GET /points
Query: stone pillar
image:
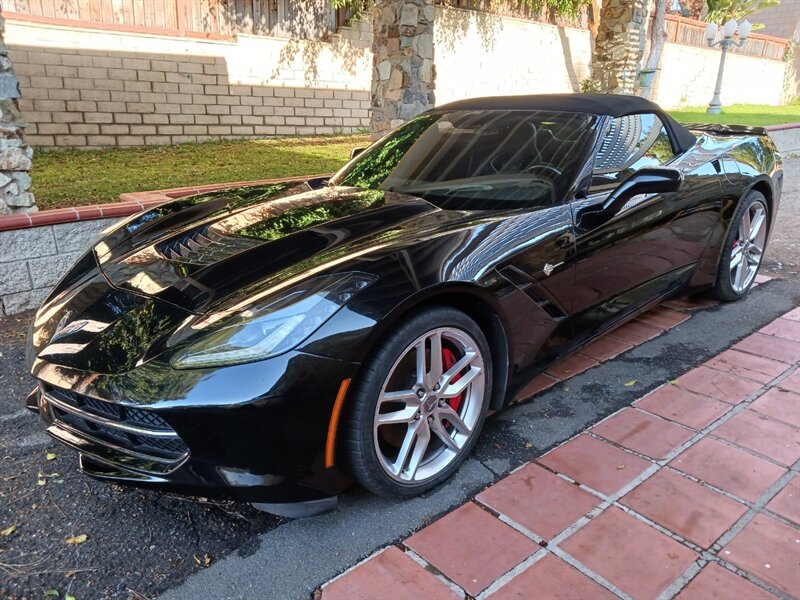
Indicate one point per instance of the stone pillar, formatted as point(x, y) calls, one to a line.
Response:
point(15, 154)
point(619, 45)
point(403, 71)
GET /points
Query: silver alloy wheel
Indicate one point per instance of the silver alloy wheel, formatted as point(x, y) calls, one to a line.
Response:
point(748, 247)
point(426, 412)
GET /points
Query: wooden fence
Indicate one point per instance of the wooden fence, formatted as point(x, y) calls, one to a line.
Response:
point(283, 18)
point(681, 30)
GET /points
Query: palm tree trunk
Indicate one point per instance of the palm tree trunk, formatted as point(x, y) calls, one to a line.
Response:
point(658, 35)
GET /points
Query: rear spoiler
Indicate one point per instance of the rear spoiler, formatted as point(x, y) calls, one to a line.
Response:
point(717, 129)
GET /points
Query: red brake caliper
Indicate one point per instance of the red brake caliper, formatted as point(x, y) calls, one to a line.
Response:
point(448, 360)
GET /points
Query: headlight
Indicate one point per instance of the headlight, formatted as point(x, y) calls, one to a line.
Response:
point(270, 329)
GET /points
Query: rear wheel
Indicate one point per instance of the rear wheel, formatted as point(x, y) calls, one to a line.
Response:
point(420, 404)
point(744, 249)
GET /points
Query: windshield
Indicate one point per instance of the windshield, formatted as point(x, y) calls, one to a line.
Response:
point(464, 157)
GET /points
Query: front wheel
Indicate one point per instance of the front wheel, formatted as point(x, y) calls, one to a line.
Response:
point(744, 248)
point(419, 405)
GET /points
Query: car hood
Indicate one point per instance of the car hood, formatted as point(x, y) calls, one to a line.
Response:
point(213, 249)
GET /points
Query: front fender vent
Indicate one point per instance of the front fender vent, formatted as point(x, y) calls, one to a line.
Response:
point(204, 246)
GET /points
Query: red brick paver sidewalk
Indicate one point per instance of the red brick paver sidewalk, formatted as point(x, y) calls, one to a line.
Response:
point(693, 492)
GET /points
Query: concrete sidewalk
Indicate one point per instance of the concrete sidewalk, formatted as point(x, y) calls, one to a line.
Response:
point(691, 492)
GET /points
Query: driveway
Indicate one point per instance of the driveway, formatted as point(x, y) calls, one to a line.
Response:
point(142, 544)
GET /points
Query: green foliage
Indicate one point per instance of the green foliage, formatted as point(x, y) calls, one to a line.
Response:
point(380, 160)
point(589, 86)
point(560, 8)
point(741, 114)
point(721, 11)
point(304, 217)
point(75, 177)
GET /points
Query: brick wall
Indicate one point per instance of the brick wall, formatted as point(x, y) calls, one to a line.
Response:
point(95, 89)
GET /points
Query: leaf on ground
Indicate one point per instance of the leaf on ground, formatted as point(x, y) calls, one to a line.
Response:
point(52, 593)
point(673, 382)
point(528, 445)
point(41, 481)
point(51, 456)
point(8, 531)
point(630, 383)
point(620, 467)
point(69, 597)
point(203, 561)
point(77, 539)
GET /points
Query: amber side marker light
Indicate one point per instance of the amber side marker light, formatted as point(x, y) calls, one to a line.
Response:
point(330, 445)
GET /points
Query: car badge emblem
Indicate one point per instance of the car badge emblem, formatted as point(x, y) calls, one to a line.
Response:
point(548, 268)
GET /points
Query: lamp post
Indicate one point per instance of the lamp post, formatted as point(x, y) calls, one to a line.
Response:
point(728, 31)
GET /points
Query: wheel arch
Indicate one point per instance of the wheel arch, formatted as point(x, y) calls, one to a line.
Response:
point(763, 186)
point(474, 301)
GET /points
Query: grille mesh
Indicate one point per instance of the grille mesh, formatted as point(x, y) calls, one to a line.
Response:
point(150, 445)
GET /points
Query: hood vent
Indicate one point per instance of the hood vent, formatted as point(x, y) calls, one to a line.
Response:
point(204, 246)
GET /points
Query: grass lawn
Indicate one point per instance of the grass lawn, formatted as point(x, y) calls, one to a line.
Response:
point(741, 114)
point(76, 177)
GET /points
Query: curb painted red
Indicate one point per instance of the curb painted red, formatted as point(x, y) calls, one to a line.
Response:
point(130, 203)
point(782, 127)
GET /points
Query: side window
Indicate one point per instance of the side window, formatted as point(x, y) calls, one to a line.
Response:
point(629, 144)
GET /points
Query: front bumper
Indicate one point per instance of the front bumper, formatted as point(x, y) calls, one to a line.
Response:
point(253, 432)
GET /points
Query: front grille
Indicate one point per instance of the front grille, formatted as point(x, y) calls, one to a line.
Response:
point(142, 433)
point(205, 246)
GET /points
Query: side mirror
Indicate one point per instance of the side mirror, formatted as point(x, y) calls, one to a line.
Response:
point(355, 152)
point(650, 180)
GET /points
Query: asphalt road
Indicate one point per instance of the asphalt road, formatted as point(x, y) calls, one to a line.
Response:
point(143, 544)
point(783, 253)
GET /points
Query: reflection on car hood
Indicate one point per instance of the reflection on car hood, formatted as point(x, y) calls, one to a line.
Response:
point(203, 250)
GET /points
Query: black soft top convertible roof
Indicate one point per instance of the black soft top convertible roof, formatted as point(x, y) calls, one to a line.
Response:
point(612, 105)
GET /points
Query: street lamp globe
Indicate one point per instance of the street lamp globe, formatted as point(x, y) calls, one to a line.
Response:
point(744, 30)
point(729, 28)
point(711, 33)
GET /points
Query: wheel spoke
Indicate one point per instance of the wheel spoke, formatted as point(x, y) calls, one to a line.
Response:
point(436, 367)
point(447, 413)
point(457, 387)
point(754, 256)
point(756, 224)
point(422, 439)
point(462, 364)
point(741, 275)
point(736, 257)
point(422, 362)
point(441, 432)
point(744, 226)
point(408, 444)
point(404, 415)
point(397, 416)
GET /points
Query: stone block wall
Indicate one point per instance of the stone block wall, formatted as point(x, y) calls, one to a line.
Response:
point(15, 153)
point(34, 259)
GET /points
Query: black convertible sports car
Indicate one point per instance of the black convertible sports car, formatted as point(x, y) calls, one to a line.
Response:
point(275, 342)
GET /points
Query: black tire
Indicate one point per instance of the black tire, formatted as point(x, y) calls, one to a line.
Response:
point(724, 289)
point(360, 430)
